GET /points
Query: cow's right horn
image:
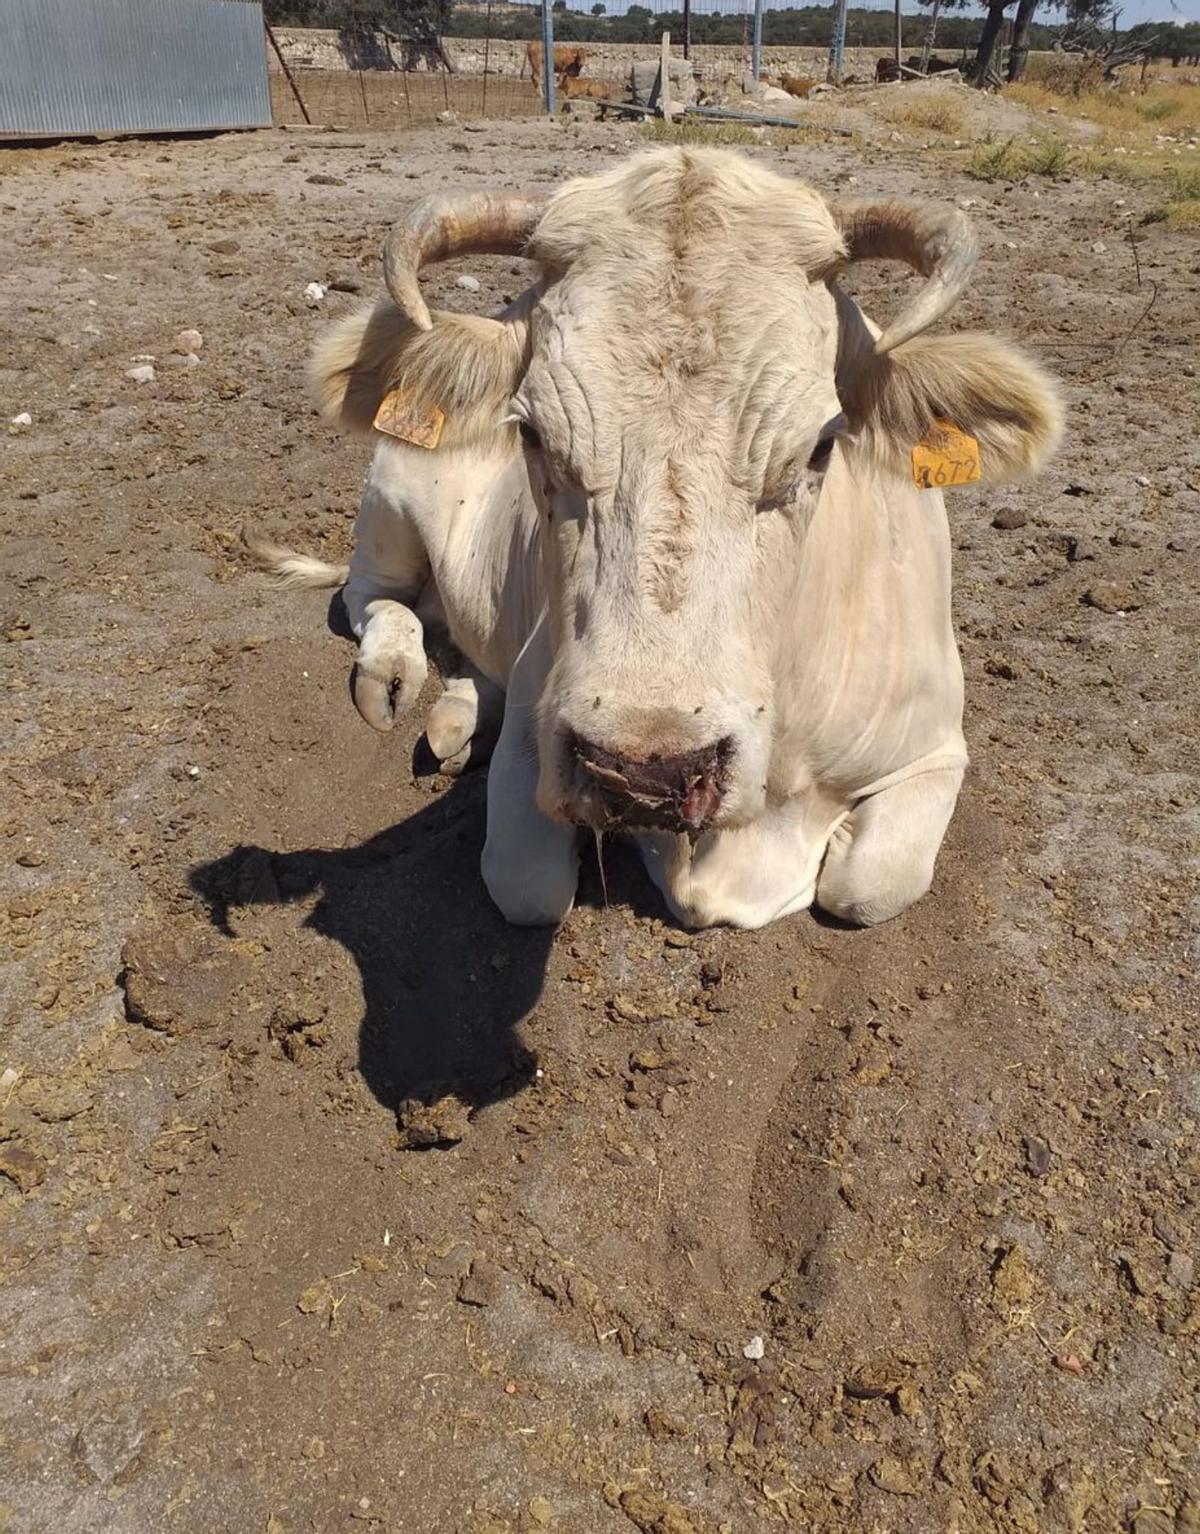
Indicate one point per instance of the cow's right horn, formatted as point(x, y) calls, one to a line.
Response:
point(938, 242)
point(481, 223)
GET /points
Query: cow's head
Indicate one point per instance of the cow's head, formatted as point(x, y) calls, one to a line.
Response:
point(687, 383)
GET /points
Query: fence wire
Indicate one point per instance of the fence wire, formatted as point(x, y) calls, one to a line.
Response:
point(486, 61)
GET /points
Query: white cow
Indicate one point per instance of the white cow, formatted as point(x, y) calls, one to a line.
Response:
point(666, 508)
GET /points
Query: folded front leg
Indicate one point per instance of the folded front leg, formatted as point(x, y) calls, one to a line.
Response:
point(391, 668)
point(530, 863)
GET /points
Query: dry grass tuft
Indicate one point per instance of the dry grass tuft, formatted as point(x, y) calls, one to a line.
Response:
point(1010, 161)
point(725, 134)
point(931, 111)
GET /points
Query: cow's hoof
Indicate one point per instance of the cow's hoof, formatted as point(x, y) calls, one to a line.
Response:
point(528, 901)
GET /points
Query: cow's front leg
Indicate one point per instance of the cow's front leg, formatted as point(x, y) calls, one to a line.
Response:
point(388, 571)
point(530, 863)
point(390, 669)
point(880, 859)
point(464, 723)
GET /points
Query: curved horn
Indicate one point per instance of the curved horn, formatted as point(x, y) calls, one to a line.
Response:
point(481, 223)
point(940, 243)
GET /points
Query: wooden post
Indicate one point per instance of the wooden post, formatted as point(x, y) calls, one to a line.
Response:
point(287, 74)
point(664, 78)
point(687, 29)
point(899, 38)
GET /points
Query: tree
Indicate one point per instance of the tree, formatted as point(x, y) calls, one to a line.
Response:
point(1019, 56)
point(1091, 31)
point(598, 9)
point(981, 75)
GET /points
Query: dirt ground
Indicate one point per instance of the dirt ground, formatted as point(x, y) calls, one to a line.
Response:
point(331, 1203)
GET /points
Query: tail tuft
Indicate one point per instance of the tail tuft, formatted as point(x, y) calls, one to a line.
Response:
point(292, 569)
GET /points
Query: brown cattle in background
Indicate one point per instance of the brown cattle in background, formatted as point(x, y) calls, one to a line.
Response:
point(568, 61)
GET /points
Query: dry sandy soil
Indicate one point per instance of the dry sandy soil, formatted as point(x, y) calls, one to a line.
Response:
point(946, 1171)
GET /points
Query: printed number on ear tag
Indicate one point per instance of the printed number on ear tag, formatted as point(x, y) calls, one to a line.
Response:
point(402, 415)
point(945, 456)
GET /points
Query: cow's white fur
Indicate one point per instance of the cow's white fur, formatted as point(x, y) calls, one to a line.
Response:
point(665, 570)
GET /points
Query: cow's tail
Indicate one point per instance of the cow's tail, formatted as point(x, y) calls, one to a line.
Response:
point(290, 568)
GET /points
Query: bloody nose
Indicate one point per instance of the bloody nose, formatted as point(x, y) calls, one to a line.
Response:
point(676, 793)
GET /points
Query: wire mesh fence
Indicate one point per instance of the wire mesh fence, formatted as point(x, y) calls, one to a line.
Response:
point(484, 58)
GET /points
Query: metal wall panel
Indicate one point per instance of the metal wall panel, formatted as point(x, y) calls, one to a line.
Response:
point(131, 66)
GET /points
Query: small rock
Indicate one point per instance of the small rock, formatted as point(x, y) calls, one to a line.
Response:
point(1008, 518)
point(32, 857)
point(314, 292)
point(21, 1166)
point(754, 1349)
point(320, 178)
point(481, 1286)
point(22, 420)
point(143, 373)
point(468, 283)
point(541, 1511)
point(1112, 597)
point(1142, 480)
point(1038, 1156)
point(1099, 248)
point(188, 341)
point(1071, 1363)
point(345, 282)
point(224, 247)
point(1181, 1271)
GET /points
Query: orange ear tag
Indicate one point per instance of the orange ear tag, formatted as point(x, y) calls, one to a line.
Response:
point(402, 415)
point(944, 457)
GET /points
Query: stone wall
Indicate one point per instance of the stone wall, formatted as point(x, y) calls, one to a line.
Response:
point(314, 48)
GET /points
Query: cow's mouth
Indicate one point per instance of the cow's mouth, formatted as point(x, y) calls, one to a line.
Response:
point(680, 793)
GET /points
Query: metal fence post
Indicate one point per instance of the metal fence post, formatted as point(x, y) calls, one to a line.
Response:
point(548, 55)
point(837, 51)
point(756, 50)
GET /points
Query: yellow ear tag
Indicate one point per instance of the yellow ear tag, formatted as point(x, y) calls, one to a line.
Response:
point(402, 415)
point(945, 456)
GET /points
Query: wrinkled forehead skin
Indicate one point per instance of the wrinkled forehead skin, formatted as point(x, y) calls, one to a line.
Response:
point(686, 324)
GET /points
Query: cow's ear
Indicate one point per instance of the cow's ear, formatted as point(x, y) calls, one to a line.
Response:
point(460, 374)
point(985, 387)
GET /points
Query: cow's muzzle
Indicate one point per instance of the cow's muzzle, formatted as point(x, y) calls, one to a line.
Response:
point(669, 793)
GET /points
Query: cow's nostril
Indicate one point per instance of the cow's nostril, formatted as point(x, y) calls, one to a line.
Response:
point(681, 791)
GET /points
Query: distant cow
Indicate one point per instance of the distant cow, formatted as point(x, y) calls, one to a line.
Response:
point(568, 61)
point(575, 89)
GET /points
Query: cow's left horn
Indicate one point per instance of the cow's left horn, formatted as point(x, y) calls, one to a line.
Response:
point(482, 224)
point(940, 243)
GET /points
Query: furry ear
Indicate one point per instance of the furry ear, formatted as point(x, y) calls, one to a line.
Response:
point(466, 367)
point(991, 390)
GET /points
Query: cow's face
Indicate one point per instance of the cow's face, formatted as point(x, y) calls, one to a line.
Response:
point(679, 412)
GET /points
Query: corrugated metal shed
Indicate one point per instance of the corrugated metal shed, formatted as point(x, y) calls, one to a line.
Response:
point(72, 67)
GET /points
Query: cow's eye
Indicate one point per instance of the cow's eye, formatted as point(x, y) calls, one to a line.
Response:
point(529, 434)
point(819, 458)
